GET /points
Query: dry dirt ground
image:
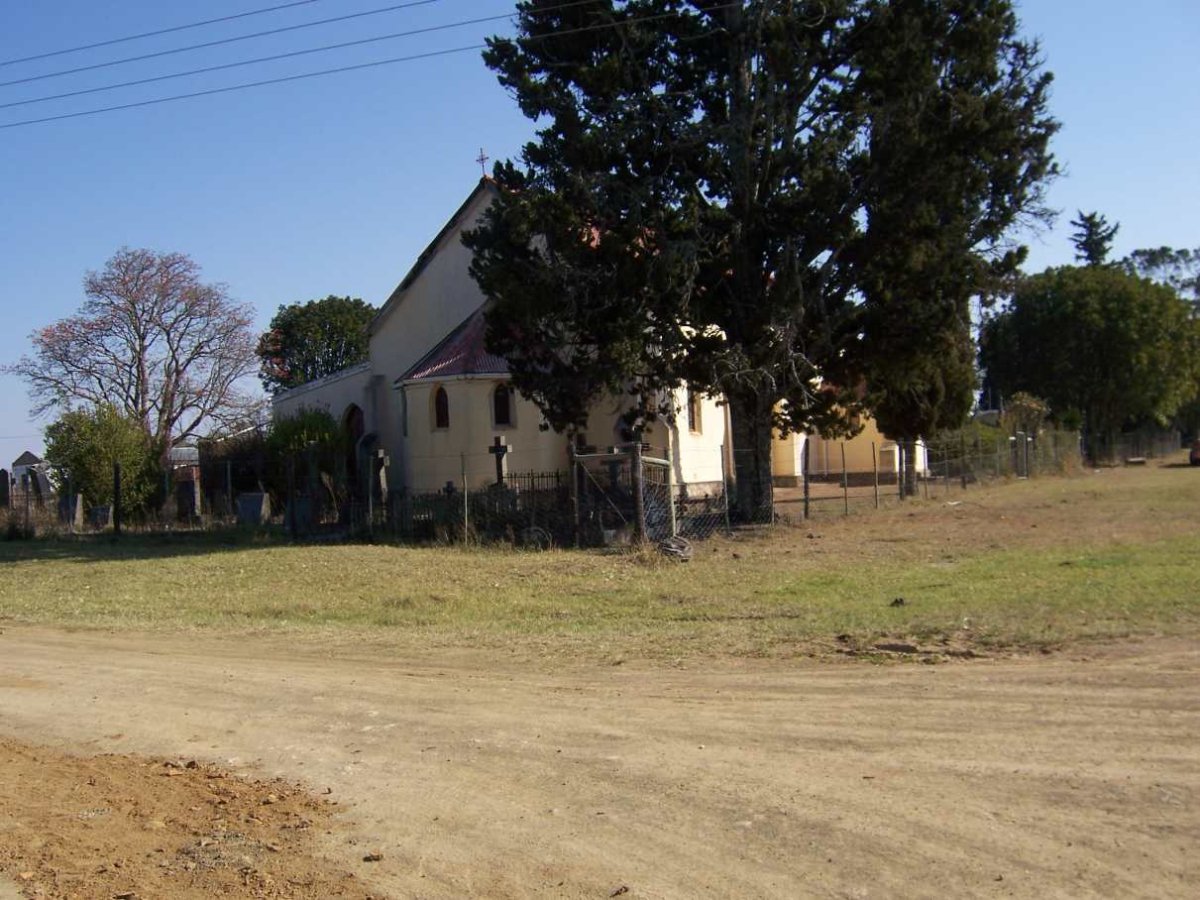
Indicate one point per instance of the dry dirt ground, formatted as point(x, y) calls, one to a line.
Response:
point(1076, 774)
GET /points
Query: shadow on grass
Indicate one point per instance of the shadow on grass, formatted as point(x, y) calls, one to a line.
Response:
point(104, 547)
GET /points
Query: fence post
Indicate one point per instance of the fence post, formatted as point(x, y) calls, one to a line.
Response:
point(639, 501)
point(572, 465)
point(116, 498)
point(462, 457)
point(725, 488)
point(228, 487)
point(845, 482)
point(804, 464)
point(875, 470)
point(26, 485)
point(291, 495)
point(673, 521)
point(962, 459)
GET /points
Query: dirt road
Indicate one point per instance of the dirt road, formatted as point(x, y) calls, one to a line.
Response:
point(472, 776)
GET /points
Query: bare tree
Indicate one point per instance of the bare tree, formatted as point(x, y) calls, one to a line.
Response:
point(152, 340)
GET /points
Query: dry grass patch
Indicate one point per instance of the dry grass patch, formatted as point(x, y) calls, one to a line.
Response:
point(1030, 564)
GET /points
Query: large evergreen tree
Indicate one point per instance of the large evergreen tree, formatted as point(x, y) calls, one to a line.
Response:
point(1093, 238)
point(306, 341)
point(754, 197)
point(1097, 342)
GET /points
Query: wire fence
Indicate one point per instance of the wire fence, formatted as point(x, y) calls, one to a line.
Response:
point(622, 495)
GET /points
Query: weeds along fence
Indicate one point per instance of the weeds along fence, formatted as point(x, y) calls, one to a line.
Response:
point(603, 497)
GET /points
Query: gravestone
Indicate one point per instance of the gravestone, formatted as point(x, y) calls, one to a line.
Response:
point(70, 510)
point(187, 500)
point(100, 517)
point(253, 508)
point(5, 489)
point(35, 490)
point(298, 515)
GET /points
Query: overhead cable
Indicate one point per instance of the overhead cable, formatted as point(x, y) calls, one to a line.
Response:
point(218, 43)
point(340, 69)
point(278, 56)
point(147, 34)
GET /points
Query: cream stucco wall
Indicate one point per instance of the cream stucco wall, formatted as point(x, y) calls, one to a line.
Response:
point(433, 456)
point(417, 317)
point(334, 394)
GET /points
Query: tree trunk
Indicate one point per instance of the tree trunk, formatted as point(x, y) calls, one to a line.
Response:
point(908, 466)
point(750, 421)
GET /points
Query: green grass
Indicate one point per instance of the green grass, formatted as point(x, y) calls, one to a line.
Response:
point(1030, 564)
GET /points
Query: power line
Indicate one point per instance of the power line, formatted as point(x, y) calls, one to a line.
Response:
point(262, 59)
point(246, 86)
point(340, 69)
point(218, 43)
point(146, 34)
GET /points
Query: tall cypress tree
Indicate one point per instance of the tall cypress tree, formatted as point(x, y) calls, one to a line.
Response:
point(739, 195)
point(1093, 237)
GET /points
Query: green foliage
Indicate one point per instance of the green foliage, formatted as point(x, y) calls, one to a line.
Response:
point(309, 438)
point(1108, 345)
point(296, 433)
point(83, 445)
point(1093, 238)
point(723, 196)
point(306, 341)
point(1179, 269)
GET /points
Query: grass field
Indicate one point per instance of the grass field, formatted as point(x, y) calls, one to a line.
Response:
point(1030, 564)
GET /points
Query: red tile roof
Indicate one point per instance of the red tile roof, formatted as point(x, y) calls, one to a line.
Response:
point(461, 352)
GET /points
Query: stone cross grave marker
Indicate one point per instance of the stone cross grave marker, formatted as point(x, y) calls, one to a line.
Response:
point(500, 450)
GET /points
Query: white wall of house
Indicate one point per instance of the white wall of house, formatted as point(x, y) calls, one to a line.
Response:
point(699, 438)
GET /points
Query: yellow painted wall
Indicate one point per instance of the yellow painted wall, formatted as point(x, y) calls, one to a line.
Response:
point(825, 456)
point(433, 456)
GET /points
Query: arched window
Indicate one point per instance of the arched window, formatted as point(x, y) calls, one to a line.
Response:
point(693, 412)
point(502, 405)
point(441, 409)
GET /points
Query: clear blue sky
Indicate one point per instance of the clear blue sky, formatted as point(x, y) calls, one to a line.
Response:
point(333, 185)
